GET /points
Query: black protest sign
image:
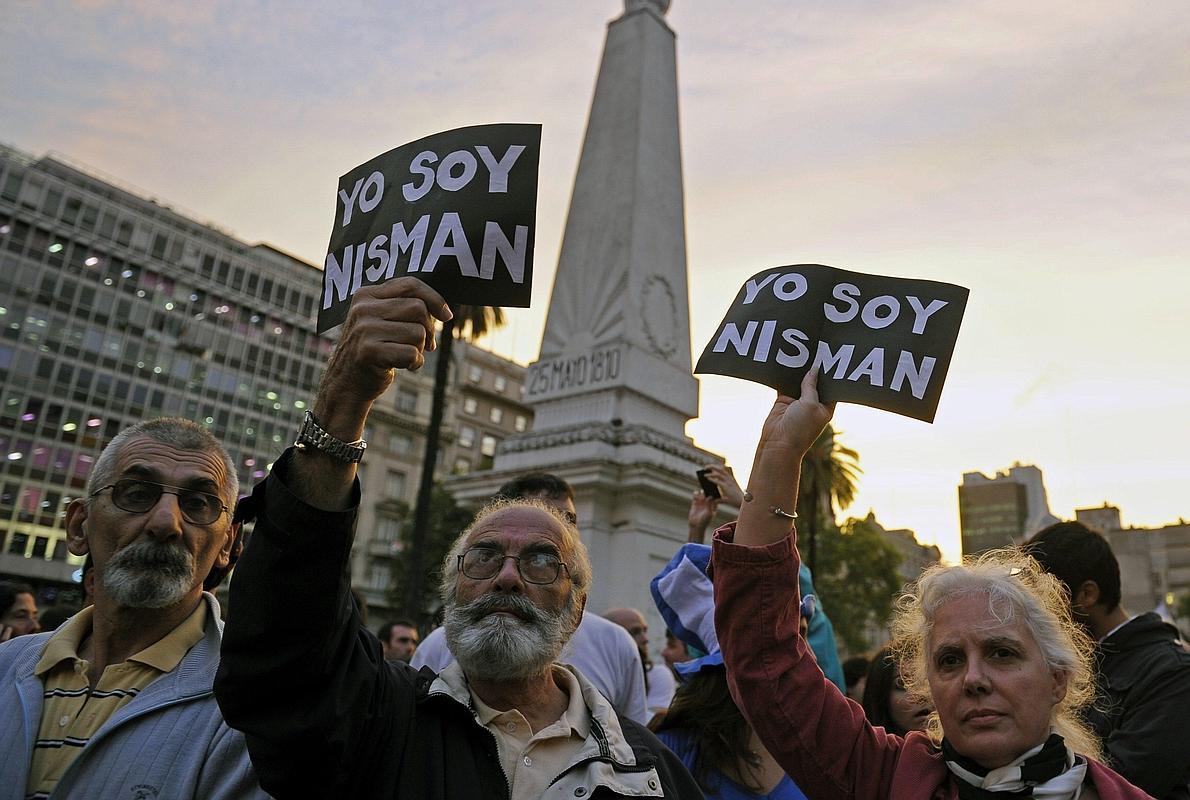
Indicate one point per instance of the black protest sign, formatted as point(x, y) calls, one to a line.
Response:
point(456, 209)
point(878, 341)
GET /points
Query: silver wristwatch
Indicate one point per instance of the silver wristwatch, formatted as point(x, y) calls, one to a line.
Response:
point(312, 435)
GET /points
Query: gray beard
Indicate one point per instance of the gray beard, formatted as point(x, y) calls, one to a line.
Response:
point(497, 647)
point(149, 574)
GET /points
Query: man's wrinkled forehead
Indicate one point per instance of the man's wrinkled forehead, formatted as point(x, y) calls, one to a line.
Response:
point(149, 459)
point(531, 525)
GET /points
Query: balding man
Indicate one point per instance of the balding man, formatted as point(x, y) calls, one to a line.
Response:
point(659, 681)
point(326, 716)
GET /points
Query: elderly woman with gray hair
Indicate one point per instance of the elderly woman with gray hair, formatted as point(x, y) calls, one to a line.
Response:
point(989, 643)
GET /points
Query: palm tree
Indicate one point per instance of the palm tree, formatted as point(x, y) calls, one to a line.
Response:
point(829, 475)
point(469, 322)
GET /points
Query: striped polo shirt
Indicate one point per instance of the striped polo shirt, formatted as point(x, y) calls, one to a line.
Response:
point(73, 710)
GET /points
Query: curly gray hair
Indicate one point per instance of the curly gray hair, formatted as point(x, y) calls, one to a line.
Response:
point(578, 561)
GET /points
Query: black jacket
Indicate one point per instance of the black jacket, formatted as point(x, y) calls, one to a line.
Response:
point(1143, 713)
point(324, 714)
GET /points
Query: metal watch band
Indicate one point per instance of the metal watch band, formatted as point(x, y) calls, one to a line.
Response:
point(312, 435)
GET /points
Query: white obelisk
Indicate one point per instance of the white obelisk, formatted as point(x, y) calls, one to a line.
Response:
point(612, 389)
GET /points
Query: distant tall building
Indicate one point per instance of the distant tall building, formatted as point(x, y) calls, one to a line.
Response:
point(115, 308)
point(1003, 510)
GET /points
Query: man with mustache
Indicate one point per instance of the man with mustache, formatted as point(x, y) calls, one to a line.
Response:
point(118, 701)
point(600, 649)
point(325, 715)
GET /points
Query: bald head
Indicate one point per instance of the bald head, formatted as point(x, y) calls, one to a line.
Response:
point(632, 621)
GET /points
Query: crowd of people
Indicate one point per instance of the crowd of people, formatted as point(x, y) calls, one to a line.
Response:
point(1014, 674)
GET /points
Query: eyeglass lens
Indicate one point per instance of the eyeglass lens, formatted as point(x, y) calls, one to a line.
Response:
point(139, 496)
point(481, 563)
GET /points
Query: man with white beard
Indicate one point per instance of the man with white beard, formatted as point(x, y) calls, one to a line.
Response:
point(601, 650)
point(118, 701)
point(325, 715)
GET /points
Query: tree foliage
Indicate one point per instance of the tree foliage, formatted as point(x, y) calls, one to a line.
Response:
point(830, 472)
point(856, 580)
point(446, 521)
point(471, 322)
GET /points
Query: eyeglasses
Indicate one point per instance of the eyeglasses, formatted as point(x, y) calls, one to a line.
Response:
point(481, 563)
point(136, 496)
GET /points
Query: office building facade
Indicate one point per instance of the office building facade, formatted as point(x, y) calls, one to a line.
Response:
point(1002, 510)
point(115, 308)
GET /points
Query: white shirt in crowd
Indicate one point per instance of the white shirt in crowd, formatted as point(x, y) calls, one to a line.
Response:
point(661, 688)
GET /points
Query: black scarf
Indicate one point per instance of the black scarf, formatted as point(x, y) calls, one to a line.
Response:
point(1051, 761)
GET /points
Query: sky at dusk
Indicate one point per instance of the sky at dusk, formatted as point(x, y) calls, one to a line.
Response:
point(1037, 153)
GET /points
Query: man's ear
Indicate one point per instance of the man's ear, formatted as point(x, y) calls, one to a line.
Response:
point(76, 528)
point(1086, 596)
point(229, 552)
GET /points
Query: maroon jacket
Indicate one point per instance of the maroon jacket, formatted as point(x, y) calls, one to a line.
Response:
point(822, 739)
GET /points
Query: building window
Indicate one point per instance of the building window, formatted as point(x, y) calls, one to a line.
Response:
point(379, 576)
point(462, 466)
point(401, 443)
point(488, 448)
point(501, 383)
point(474, 373)
point(520, 423)
point(496, 414)
point(407, 400)
point(470, 405)
point(466, 436)
point(388, 531)
point(17, 543)
point(394, 488)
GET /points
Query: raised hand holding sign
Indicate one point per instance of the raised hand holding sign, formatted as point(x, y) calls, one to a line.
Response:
point(456, 209)
point(879, 341)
